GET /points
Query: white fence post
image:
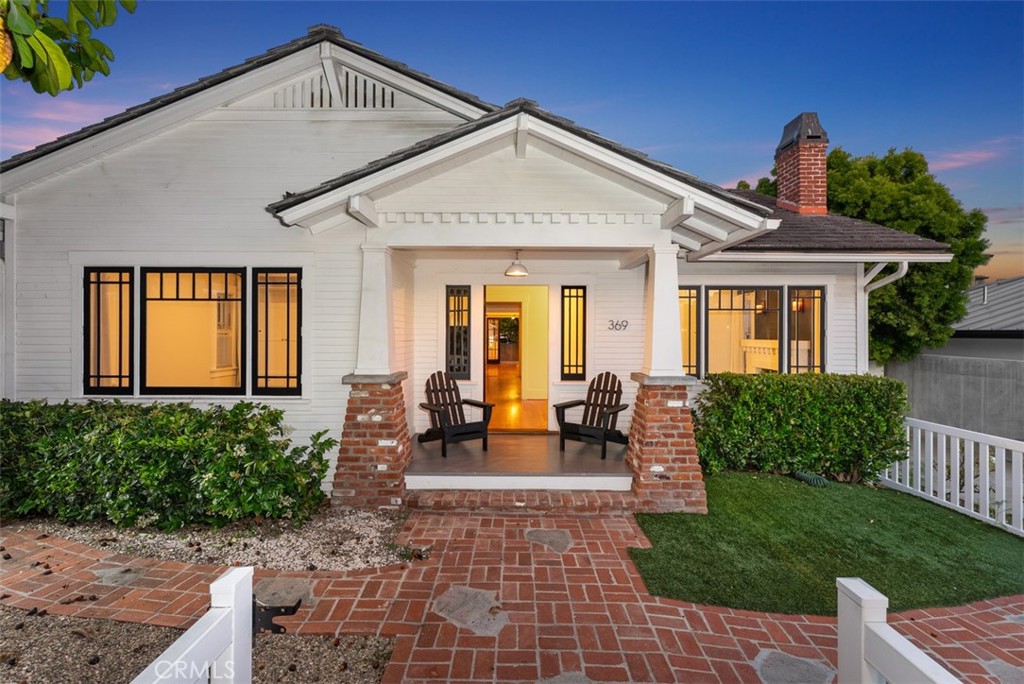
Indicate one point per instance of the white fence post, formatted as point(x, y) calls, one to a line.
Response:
point(233, 590)
point(218, 647)
point(859, 604)
point(872, 652)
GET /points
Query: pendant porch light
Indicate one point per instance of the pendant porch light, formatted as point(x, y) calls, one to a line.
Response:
point(516, 268)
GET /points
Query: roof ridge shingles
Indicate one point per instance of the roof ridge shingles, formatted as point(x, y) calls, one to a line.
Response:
point(316, 34)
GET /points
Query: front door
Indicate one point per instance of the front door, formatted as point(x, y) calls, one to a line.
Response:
point(516, 349)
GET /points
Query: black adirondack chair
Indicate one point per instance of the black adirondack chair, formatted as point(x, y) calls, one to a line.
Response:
point(447, 417)
point(600, 412)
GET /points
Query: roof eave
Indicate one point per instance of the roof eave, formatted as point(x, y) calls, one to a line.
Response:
point(826, 256)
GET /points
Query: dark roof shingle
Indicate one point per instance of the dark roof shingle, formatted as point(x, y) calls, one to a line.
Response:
point(828, 233)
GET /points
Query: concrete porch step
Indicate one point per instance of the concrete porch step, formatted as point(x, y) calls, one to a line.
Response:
point(594, 482)
point(523, 500)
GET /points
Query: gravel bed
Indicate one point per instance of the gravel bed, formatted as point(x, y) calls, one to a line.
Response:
point(48, 648)
point(332, 540)
point(40, 648)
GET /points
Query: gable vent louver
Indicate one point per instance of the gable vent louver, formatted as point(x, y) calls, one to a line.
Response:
point(357, 92)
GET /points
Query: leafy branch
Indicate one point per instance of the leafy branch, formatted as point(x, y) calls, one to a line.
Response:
point(51, 53)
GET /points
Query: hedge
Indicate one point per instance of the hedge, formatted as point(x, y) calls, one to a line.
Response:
point(157, 464)
point(847, 427)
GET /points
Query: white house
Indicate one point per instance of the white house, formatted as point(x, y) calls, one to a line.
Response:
point(321, 228)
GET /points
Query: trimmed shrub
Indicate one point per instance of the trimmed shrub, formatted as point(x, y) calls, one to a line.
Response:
point(847, 427)
point(157, 464)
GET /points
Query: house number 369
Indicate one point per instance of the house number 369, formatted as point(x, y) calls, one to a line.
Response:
point(618, 325)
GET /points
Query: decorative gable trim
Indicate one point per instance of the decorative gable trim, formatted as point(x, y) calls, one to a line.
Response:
point(322, 45)
point(698, 220)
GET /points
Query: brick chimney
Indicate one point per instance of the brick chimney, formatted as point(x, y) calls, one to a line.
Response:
point(800, 164)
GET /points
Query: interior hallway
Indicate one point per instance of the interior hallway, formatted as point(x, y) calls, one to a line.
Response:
point(512, 413)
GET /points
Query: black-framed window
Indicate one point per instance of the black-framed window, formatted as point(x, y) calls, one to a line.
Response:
point(806, 329)
point(192, 331)
point(457, 333)
point(277, 331)
point(744, 327)
point(740, 329)
point(574, 332)
point(108, 321)
point(689, 322)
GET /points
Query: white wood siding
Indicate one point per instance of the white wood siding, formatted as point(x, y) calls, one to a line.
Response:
point(196, 196)
point(840, 281)
point(403, 290)
point(544, 181)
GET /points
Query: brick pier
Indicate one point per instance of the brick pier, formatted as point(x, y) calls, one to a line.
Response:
point(662, 452)
point(375, 445)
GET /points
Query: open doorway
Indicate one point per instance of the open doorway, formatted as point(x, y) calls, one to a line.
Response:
point(516, 351)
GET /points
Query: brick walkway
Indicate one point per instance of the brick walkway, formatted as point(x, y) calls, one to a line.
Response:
point(583, 611)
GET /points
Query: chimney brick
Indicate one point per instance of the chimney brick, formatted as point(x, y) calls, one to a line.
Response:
point(801, 166)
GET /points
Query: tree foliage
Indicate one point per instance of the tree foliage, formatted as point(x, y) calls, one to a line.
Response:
point(897, 191)
point(51, 53)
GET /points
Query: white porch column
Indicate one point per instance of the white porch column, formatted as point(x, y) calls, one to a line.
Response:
point(375, 354)
point(663, 351)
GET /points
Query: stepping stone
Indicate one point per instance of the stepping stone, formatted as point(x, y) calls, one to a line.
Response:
point(567, 678)
point(1004, 671)
point(474, 609)
point(284, 591)
point(556, 540)
point(776, 667)
point(118, 577)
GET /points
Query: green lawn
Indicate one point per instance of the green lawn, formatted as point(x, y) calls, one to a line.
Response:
point(774, 544)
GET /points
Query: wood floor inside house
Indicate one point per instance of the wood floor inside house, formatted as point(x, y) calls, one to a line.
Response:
point(512, 413)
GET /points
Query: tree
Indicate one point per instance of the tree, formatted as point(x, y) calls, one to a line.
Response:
point(742, 185)
point(897, 191)
point(51, 53)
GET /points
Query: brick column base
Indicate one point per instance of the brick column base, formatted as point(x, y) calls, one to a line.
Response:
point(375, 445)
point(662, 453)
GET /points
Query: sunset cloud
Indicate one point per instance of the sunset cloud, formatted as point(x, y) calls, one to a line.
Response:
point(985, 151)
point(21, 137)
point(78, 113)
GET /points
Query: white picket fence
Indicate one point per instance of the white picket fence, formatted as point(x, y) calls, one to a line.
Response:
point(872, 652)
point(976, 474)
point(217, 648)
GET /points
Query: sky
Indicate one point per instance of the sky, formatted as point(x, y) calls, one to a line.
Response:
point(706, 87)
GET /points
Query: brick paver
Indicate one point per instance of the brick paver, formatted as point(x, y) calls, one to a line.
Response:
point(584, 611)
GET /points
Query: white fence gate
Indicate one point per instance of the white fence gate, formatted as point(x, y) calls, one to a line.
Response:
point(216, 649)
point(976, 474)
point(872, 652)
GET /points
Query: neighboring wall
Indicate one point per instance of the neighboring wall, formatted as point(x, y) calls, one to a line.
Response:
point(981, 394)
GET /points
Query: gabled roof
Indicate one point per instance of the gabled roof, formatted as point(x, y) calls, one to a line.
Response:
point(997, 306)
point(513, 108)
point(828, 233)
point(317, 34)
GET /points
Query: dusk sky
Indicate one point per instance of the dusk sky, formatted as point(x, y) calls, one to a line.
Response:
point(706, 87)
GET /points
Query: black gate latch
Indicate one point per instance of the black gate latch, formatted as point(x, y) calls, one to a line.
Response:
point(263, 616)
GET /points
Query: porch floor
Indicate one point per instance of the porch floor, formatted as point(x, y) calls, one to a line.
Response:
point(518, 462)
point(512, 454)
